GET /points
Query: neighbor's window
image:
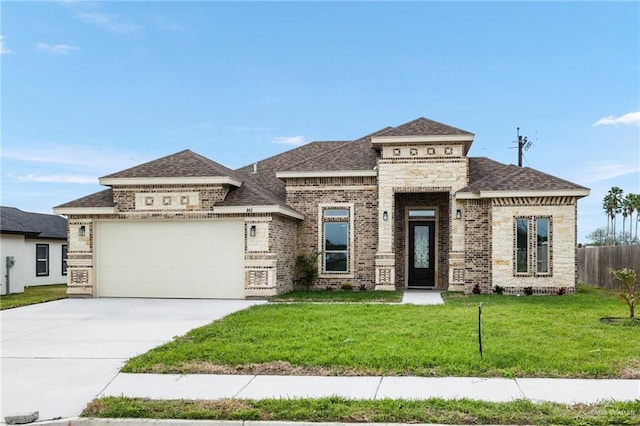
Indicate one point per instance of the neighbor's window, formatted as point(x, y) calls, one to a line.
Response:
point(522, 246)
point(336, 236)
point(533, 246)
point(42, 259)
point(65, 249)
point(542, 245)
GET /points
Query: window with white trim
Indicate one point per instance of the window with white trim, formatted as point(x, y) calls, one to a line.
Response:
point(533, 246)
point(42, 260)
point(336, 238)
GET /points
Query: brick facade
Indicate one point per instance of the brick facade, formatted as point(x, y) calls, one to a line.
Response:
point(478, 250)
point(305, 196)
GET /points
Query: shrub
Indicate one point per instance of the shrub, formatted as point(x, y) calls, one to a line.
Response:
point(528, 291)
point(631, 291)
point(498, 289)
point(307, 268)
point(476, 289)
point(362, 287)
point(561, 291)
point(346, 286)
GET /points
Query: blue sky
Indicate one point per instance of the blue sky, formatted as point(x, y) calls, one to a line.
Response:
point(92, 88)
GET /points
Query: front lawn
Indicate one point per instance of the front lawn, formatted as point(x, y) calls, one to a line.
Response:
point(339, 296)
point(342, 410)
point(552, 336)
point(33, 295)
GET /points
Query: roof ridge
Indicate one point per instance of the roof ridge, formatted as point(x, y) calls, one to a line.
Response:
point(291, 150)
point(370, 135)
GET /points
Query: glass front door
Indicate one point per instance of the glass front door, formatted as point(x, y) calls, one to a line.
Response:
point(421, 253)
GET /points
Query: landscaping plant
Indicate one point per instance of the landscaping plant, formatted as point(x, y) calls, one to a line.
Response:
point(631, 291)
point(307, 268)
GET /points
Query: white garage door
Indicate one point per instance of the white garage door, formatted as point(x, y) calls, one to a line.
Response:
point(187, 259)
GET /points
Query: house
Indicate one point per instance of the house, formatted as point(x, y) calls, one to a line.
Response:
point(34, 249)
point(403, 207)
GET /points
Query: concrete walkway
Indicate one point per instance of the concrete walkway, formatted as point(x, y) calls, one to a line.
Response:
point(206, 386)
point(422, 297)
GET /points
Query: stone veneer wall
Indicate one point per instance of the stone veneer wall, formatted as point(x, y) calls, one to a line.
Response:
point(440, 201)
point(478, 245)
point(562, 214)
point(305, 194)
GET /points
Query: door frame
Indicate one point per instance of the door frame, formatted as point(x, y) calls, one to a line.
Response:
point(408, 219)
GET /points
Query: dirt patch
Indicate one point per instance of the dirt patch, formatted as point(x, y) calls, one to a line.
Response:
point(274, 368)
point(631, 371)
point(628, 322)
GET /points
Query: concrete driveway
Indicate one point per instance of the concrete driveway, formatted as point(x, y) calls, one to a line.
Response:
point(57, 356)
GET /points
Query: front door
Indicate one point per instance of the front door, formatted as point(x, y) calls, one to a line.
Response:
point(421, 254)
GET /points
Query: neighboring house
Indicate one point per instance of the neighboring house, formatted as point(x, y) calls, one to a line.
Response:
point(404, 207)
point(33, 249)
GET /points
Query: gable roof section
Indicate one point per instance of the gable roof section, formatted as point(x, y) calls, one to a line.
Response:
point(424, 127)
point(265, 175)
point(489, 178)
point(101, 199)
point(184, 166)
point(358, 155)
point(16, 221)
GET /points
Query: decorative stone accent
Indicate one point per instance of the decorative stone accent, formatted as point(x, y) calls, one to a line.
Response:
point(167, 201)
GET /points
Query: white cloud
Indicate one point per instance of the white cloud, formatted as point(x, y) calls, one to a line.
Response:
point(630, 118)
point(166, 24)
point(4, 50)
point(595, 172)
point(108, 22)
point(289, 140)
point(56, 49)
point(56, 178)
point(95, 159)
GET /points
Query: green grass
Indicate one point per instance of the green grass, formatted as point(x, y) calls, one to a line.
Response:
point(375, 411)
point(340, 296)
point(33, 295)
point(553, 336)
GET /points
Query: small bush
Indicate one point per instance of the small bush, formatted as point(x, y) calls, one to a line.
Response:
point(498, 289)
point(362, 287)
point(346, 286)
point(476, 289)
point(528, 291)
point(561, 291)
point(630, 293)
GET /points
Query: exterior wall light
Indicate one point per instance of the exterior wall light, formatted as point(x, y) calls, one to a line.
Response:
point(81, 231)
point(385, 215)
point(252, 231)
point(458, 214)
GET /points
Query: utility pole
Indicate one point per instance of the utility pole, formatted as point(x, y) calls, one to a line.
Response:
point(523, 144)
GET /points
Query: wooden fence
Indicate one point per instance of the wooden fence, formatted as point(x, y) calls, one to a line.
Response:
point(595, 263)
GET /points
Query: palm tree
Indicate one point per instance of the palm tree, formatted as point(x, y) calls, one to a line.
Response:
point(624, 206)
point(612, 205)
point(629, 203)
point(635, 203)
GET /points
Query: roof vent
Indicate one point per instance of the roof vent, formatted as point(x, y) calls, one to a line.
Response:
point(255, 167)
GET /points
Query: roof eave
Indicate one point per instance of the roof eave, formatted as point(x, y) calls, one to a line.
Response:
point(330, 173)
point(187, 180)
point(466, 195)
point(252, 209)
point(67, 211)
point(382, 140)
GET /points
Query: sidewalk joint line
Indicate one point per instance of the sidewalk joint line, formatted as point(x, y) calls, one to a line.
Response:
point(515, 379)
point(375, 395)
point(244, 387)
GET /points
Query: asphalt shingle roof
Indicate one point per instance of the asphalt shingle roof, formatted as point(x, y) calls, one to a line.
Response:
point(16, 221)
point(185, 163)
point(489, 175)
point(424, 127)
point(264, 188)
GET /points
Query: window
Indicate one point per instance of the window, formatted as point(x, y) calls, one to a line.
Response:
point(65, 249)
point(533, 249)
point(522, 246)
point(542, 246)
point(336, 239)
point(42, 260)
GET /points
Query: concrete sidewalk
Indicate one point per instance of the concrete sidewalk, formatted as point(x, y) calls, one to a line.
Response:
point(207, 386)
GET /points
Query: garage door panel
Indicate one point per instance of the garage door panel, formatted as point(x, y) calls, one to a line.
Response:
point(191, 259)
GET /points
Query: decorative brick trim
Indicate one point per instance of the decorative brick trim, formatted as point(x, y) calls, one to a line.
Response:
point(533, 201)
